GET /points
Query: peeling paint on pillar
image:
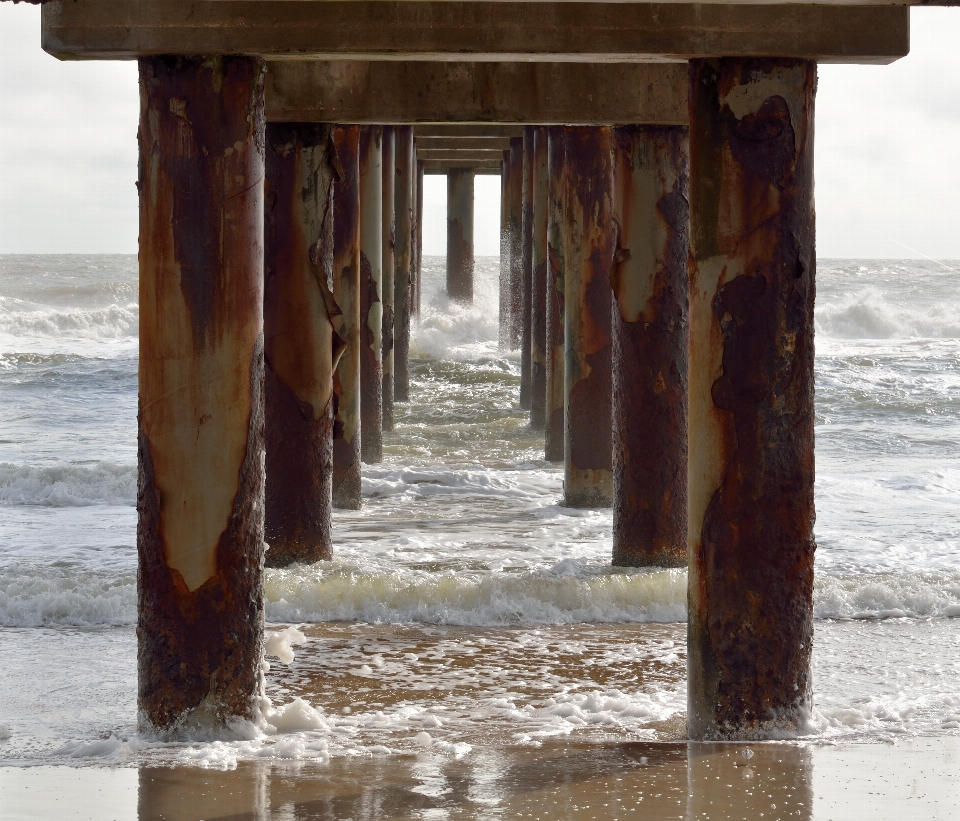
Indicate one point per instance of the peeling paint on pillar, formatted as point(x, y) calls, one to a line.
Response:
point(650, 339)
point(556, 395)
point(298, 342)
point(200, 496)
point(418, 238)
point(538, 288)
point(371, 284)
point(751, 463)
point(589, 244)
point(403, 260)
point(526, 261)
point(504, 315)
point(516, 241)
point(346, 292)
point(460, 234)
point(388, 157)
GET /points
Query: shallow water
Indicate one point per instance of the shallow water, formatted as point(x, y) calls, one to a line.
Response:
point(462, 556)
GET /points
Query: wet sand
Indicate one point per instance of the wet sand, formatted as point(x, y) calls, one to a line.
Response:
point(913, 779)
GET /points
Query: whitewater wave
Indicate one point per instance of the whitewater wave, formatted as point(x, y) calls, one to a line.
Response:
point(109, 322)
point(871, 315)
point(60, 485)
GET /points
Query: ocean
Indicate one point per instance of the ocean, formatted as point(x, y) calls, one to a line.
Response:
point(466, 610)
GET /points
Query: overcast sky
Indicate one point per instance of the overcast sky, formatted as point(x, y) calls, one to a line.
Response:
point(887, 152)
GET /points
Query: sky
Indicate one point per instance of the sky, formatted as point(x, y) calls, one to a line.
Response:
point(887, 152)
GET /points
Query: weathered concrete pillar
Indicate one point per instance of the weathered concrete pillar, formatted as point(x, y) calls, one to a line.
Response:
point(526, 261)
point(418, 237)
point(200, 420)
point(388, 156)
point(589, 245)
point(751, 462)
point(650, 338)
point(403, 257)
point(556, 395)
point(504, 314)
point(516, 241)
point(460, 234)
point(346, 293)
point(371, 285)
point(538, 287)
point(298, 342)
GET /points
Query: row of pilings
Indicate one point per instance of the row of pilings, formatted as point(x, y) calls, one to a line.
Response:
point(661, 279)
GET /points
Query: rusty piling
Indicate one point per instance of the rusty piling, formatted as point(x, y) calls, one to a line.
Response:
point(346, 324)
point(200, 418)
point(516, 241)
point(504, 314)
point(371, 294)
point(418, 237)
point(650, 338)
point(526, 261)
point(555, 393)
point(299, 345)
point(589, 245)
point(538, 287)
point(751, 462)
point(388, 158)
point(403, 258)
point(460, 234)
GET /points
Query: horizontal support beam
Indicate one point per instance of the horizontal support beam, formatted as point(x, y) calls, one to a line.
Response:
point(437, 130)
point(352, 91)
point(463, 143)
point(442, 167)
point(457, 30)
point(494, 155)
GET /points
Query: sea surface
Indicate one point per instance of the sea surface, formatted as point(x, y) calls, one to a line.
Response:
point(466, 609)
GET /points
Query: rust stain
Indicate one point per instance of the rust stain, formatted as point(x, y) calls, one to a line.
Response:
point(751, 373)
point(555, 393)
point(388, 180)
point(301, 346)
point(346, 292)
point(538, 287)
point(589, 247)
point(371, 282)
point(200, 420)
point(403, 260)
point(650, 344)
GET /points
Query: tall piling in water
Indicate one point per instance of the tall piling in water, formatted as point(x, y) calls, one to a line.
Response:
point(555, 393)
point(460, 182)
point(650, 339)
point(751, 461)
point(538, 286)
point(516, 241)
point(418, 237)
point(402, 260)
point(589, 244)
point(346, 293)
point(505, 318)
point(371, 294)
point(200, 416)
point(388, 158)
point(526, 261)
point(299, 350)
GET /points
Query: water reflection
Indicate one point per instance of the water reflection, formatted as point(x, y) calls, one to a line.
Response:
point(673, 780)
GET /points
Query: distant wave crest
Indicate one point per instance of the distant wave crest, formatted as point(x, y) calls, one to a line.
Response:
point(60, 485)
point(870, 316)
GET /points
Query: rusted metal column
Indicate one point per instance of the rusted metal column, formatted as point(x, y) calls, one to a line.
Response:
point(460, 234)
point(505, 315)
point(650, 338)
point(403, 220)
point(298, 342)
point(516, 241)
point(526, 234)
point(371, 284)
point(388, 157)
point(538, 288)
point(556, 395)
point(589, 245)
point(418, 237)
point(751, 462)
point(346, 293)
point(200, 421)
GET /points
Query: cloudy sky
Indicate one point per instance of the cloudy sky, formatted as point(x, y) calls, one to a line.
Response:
point(887, 152)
